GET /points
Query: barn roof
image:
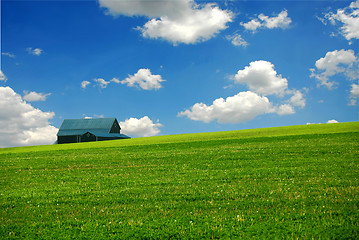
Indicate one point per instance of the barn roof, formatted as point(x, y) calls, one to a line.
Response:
point(92, 123)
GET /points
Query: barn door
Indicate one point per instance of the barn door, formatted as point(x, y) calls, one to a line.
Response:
point(88, 137)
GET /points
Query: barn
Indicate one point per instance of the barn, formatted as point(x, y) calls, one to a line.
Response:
point(89, 130)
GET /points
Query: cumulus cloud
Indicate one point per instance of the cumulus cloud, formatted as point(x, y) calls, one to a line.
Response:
point(237, 40)
point(21, 124)
point(337, 62)
point(330, 63)
point(297, 99)
point(262, 21)
point(34, 51)
point(240, 108)
point(332, 121)
point(34, 96)
point(116, 80)
point(180, 21)
point(343, 61)
point(84, 84)
point(2, 76)
point(143, 79)
point(101, 82)
point(252, 25)
point(348, 19)
point(261, 78)
point(280, 21)
point(143, 127)
point(354, 94)
point(197, 26)
point(285, 109)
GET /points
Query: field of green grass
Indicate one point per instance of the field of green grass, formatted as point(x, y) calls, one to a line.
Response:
point(298, 182)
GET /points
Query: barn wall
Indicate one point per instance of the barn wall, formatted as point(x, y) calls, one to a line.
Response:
point(83, 138)
point(66, 139)
point(88, 138)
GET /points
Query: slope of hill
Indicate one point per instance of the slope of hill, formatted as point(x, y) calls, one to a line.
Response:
point(239, 134)
point(289, 182)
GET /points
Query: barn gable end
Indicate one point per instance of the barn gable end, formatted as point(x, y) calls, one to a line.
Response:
point(115, 127)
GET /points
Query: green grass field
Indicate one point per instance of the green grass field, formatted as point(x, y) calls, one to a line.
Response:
point(298, 182)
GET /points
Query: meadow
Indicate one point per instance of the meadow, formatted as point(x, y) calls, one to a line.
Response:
point(298, 182)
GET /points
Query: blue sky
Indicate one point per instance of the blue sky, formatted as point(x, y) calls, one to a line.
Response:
point(172, 67)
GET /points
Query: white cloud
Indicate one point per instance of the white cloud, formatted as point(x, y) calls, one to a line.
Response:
point(11, 55)
point(354, 94)
point(354, 4)
point(197, 26)
point(329, 121)
point(343, 61)
point(240, 108)
point(101, 82)
point(237, 40)
point(280, 21)
point(143, 79)
point(34, 96)
point(261, 78)
point(143, 127)
point(34, 51)
point(338, 62)
point(2, 76)
point(348, 18)
point(297, 99)
point(84, 84)
point(332, 121)
point(252, 25)
point(21, 124)
point(285, 109)
point(115, 80)
point(180, 21)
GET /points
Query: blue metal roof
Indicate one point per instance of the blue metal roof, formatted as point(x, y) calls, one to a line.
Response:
point(92, 123)
point(78, 132)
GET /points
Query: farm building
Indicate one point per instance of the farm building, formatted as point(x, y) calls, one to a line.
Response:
point(89, 130)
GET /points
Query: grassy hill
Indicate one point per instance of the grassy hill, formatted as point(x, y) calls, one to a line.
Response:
point(287, 182)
